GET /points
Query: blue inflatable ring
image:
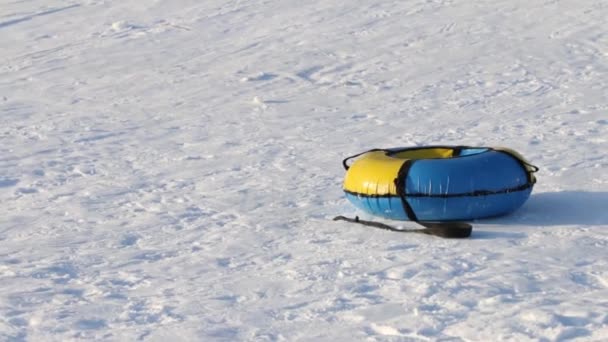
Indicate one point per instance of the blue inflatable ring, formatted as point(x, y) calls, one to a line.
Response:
point(438, 183)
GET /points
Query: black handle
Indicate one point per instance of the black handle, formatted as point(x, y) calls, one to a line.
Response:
point(346, 166)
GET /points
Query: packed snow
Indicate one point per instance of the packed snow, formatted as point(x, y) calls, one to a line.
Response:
point(169, 170)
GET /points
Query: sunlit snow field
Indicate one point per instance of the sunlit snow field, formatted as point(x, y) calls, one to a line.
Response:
point(169, 169)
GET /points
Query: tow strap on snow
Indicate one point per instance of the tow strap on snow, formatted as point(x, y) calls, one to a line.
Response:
point(450, 230)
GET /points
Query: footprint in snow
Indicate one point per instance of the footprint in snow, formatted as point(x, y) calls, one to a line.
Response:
point(262, 76)
point(6, 183)
point(129, 240)
point(91, 324)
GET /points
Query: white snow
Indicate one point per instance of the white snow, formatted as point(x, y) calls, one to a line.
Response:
point(170, 169)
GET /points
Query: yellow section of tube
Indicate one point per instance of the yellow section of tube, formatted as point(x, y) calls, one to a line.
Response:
point(374, 173)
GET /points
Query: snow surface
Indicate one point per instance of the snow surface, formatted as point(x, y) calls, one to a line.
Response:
point(169, 169)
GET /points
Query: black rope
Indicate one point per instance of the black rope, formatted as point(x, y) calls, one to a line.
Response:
point(369, 223)
point(475, 193)
point(346, 166)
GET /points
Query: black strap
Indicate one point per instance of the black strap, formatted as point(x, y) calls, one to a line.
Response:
point(449, 230)
point(400, 184)
point(457, 150)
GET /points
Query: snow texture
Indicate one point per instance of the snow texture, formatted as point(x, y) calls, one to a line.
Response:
point(169, 169)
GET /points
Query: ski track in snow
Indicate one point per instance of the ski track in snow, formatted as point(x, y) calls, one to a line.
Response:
point(170, 169)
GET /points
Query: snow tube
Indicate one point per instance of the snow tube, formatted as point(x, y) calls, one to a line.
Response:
point(438, 183)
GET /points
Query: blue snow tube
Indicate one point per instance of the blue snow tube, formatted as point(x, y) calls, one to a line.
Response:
point(439, 183)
